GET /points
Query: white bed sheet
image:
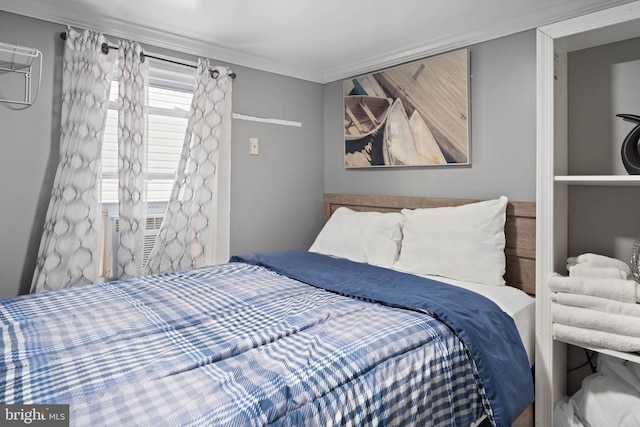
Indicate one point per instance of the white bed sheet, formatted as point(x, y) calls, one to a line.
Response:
point(516, 303)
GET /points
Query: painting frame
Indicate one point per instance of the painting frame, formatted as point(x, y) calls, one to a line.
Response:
point(416, 114)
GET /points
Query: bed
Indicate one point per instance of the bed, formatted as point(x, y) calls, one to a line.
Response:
point(288, 338)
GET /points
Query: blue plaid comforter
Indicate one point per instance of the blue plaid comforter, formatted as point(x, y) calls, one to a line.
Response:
point(233, 345)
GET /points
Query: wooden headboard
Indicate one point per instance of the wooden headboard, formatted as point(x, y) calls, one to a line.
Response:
point(520, 228)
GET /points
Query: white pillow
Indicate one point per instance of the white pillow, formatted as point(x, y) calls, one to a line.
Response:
point(463, 242)
point(369, 237)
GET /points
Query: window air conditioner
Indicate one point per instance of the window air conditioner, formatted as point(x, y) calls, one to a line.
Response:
point(111, 243)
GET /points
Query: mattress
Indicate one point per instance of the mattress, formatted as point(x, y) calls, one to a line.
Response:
point(246, 343)
point(516, 303)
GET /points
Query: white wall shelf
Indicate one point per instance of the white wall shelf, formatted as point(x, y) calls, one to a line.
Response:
point(613, 180)
point(632, 357)
point(19, 59)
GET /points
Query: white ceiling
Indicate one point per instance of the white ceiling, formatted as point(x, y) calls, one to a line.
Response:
point(320, 41)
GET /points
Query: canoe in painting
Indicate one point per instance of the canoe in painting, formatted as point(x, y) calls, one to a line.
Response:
point(427, 148)
point(364, 115)
point(399, 147)
point(365, 151)
point(366, 85)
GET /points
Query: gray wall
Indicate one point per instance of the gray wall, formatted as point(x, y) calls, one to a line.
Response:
point(30, 143)
point(503, 134)
point(276, 196)
point(602, 82)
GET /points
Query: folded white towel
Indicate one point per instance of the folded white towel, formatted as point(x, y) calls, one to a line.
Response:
point(594, 319)
point(587, 270)
point(596, 260)
point(593, 338)
point(605, 305)
point(616, 289)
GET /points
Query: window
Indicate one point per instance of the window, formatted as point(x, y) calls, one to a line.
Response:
point(169, 100)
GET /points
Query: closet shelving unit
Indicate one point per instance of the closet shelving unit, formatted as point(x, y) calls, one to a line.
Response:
point(554, 181)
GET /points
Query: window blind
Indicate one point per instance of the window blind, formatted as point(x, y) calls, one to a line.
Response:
point(169, 99)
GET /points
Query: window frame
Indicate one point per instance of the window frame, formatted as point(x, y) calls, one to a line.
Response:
point(162, 75)
point(173, 76)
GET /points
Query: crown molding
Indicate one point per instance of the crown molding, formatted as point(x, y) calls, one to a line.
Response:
point(199, 45)
point(186, 44)
point(598, 28)
point(457, 41)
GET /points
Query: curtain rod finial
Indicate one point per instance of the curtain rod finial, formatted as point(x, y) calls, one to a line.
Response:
point(215, 74)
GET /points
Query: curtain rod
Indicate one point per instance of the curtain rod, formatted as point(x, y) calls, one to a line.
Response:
point(105, 49)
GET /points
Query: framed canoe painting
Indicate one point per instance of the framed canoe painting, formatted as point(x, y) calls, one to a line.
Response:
point(415, 114)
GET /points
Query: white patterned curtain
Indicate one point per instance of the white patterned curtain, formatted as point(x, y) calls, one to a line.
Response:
point(187, 234)
point(70, 246)
point(133, 77)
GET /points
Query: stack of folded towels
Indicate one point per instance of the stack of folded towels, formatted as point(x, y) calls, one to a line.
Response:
point(597, 304)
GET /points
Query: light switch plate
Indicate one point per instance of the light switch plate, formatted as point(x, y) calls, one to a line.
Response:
point(254, 148)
